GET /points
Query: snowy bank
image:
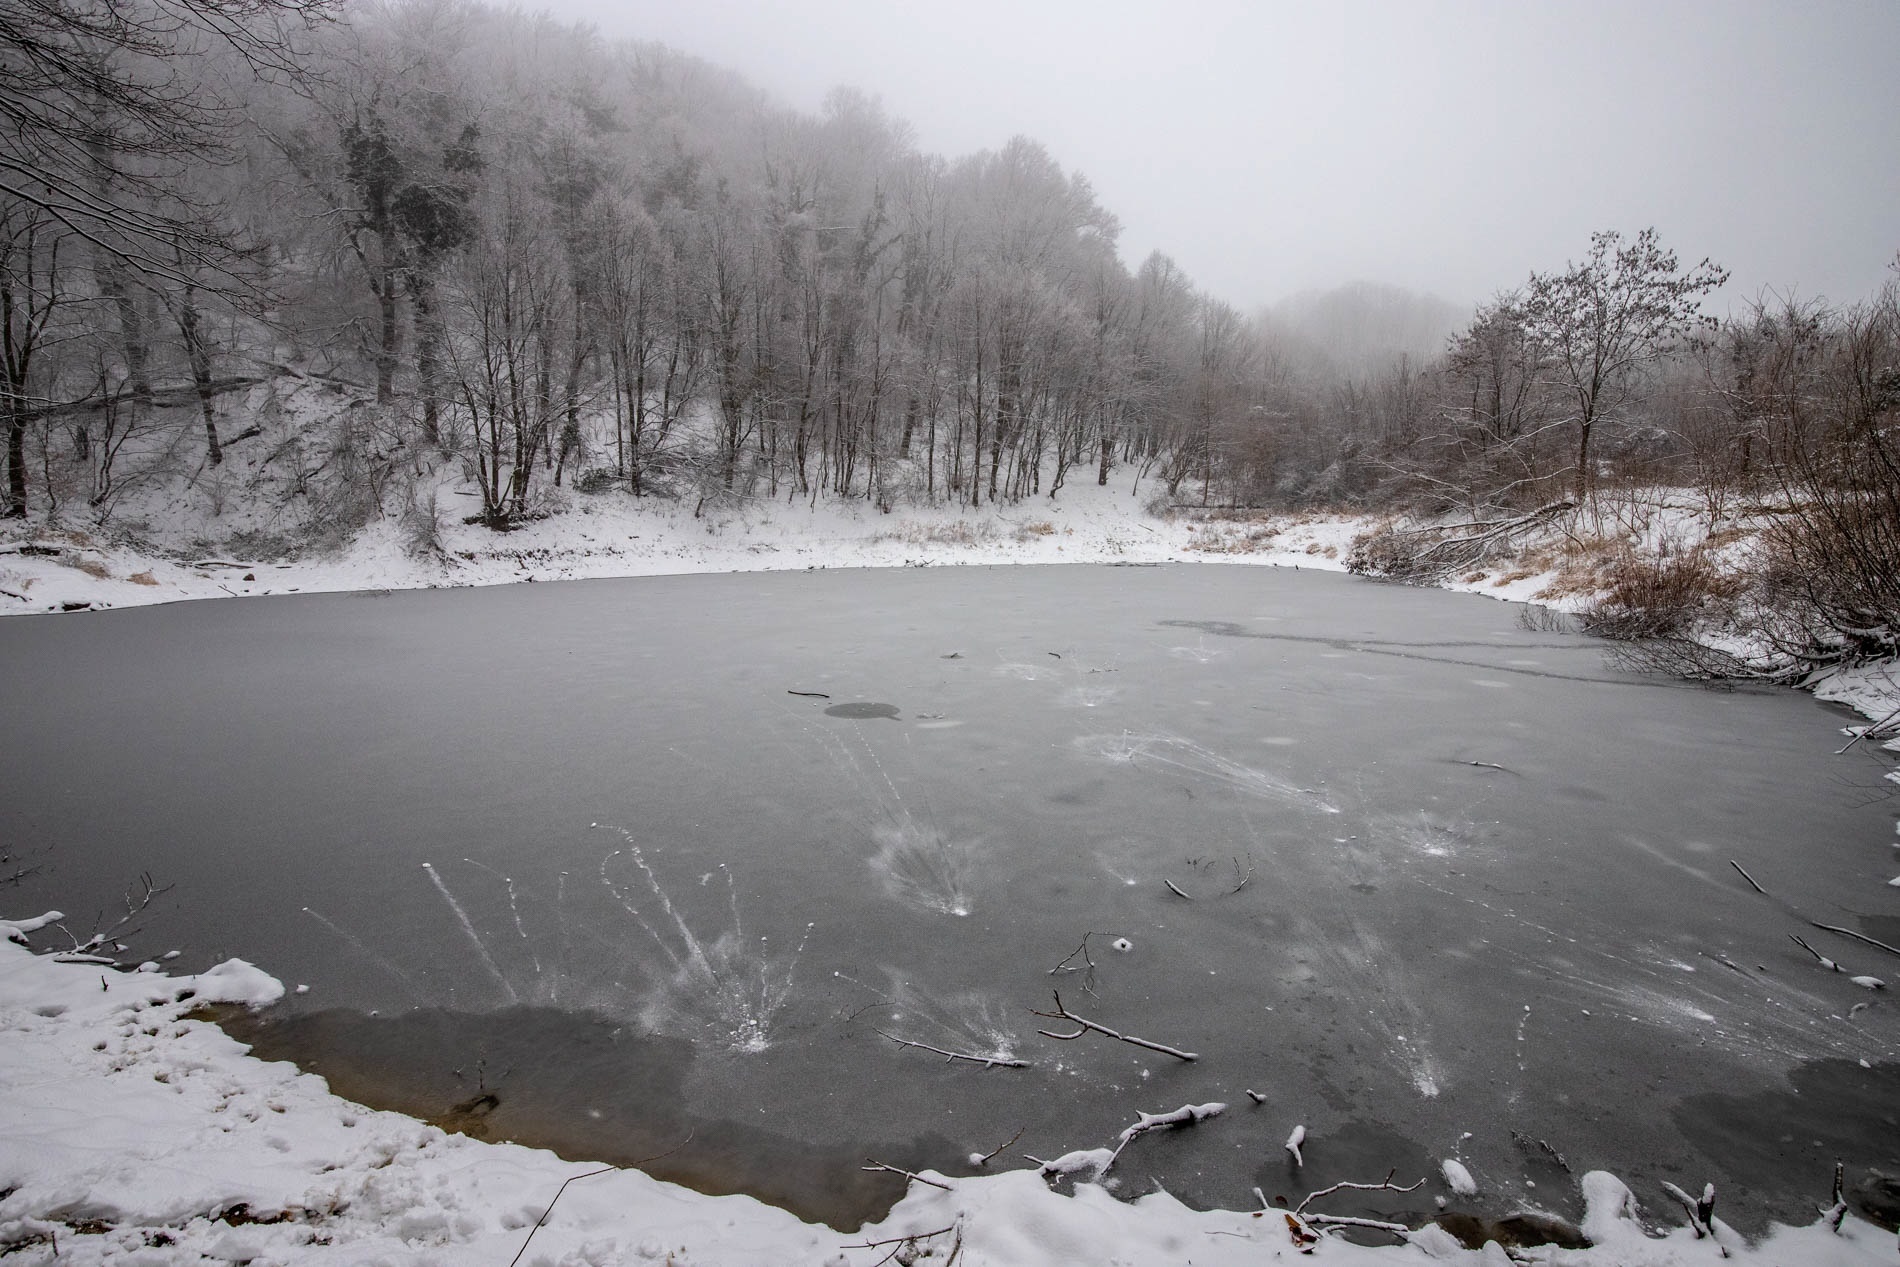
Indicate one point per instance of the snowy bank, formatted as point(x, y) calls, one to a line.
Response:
point(613, 535)
point(137, 1134)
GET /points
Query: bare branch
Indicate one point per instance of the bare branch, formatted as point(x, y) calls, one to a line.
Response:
point(1384, 1186)
point(1063, 1014)
point(984, 1159)
point(877, 1165)
point(1848, 932)
point(951, 1056)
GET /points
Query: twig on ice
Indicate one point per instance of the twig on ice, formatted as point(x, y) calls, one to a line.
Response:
point(1748, 877)
point(1293, 1143)
point(1386, 1186)
point(1241, 883)
point(899, 1170)
point(1088, 977)
point(951, 1056)
point(984, 1159)
point(1063, 1014)
point(810, 694)
point(1255, 1096)
point(1865, 982)
point(1848, 932)
point(1827, 963)
point(1343, 1220)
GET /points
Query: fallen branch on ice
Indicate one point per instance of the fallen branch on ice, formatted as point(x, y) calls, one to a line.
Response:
point(1064, 1014)
point(1186, 1115)
point(1242, 877)
point(1098, 1160)
point(1308, 1229)
point(953, 1056)
point(1865, 982)
point(1293, 1142)
point(1865, 731)
point(1848, 932)
point(1094, 1159)
point(1748, 877)
point(1345, 1185)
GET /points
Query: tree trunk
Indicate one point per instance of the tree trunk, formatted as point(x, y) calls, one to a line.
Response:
point(16, 464)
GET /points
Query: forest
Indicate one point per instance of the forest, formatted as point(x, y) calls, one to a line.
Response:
point(545, 258)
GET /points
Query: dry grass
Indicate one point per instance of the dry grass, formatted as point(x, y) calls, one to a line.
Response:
point(1659, 596)
point(959, 532)
point(1029, 532)
point(91, 567)
point(142, 578)
point(1230, 537)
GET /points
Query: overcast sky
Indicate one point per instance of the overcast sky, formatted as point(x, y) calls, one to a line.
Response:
point(1446, 147)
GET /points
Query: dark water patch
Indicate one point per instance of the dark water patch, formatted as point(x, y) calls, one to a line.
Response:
point(1514, 1231)
point(587, 1089)
point(1830, 1110)
point(862, 711)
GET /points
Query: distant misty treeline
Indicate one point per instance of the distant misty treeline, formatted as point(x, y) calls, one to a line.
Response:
point(559, 258)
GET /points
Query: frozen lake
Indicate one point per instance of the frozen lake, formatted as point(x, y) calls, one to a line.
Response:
point(610, 864)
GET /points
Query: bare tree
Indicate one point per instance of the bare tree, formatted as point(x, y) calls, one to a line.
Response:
point(1605, 321)
point(105, 103)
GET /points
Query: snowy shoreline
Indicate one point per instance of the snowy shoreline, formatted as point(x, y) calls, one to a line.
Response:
point(138, 1134)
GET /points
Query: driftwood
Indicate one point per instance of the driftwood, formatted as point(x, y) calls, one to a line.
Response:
point(1063, 1014)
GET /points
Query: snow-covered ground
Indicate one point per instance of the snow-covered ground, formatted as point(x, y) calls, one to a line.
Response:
point(613, 535)
point(137, 1134)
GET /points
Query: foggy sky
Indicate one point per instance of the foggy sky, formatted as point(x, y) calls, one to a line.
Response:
point(1446, 147)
